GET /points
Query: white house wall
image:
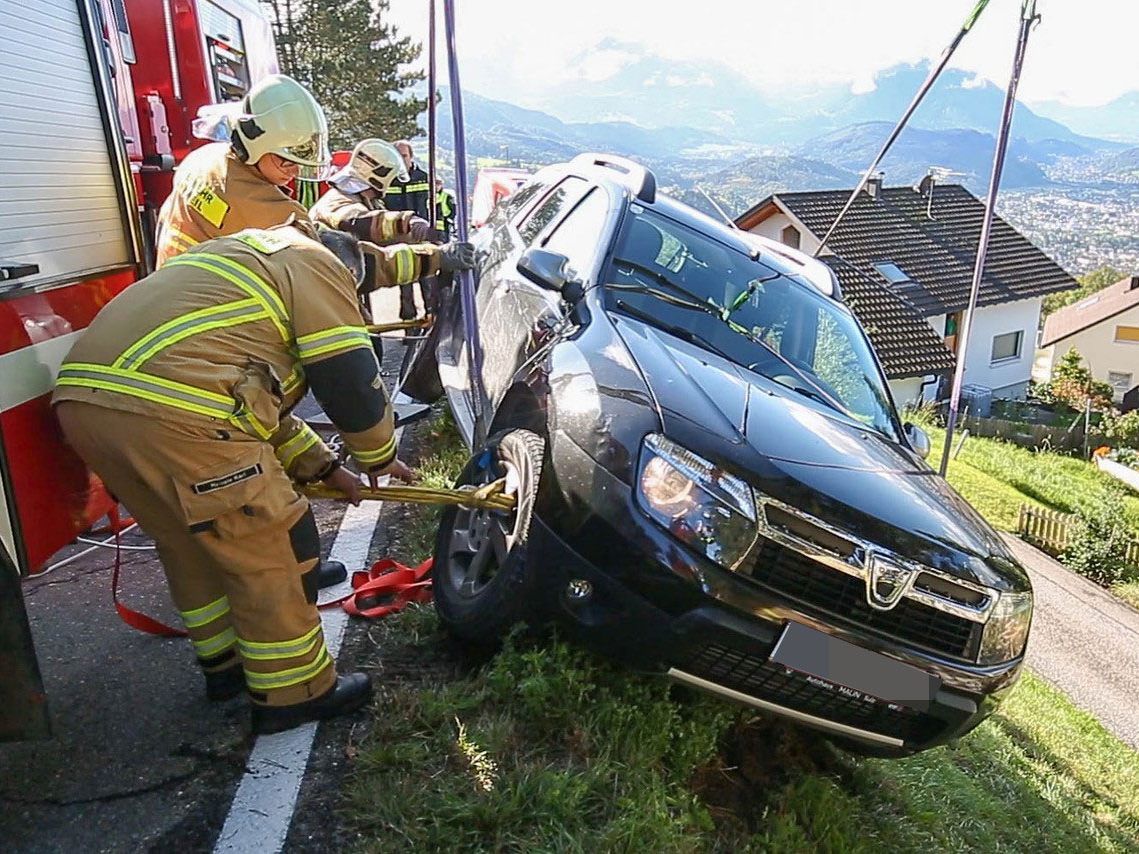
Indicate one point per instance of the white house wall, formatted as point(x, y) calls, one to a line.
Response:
point(1100, 351)
point(773, 226)
point(1007, 378)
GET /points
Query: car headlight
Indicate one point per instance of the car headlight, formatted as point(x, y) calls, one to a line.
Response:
point(1006, 632)
point(698, 503)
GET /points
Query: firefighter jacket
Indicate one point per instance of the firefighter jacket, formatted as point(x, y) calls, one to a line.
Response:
point(216, 194)
point(411, 195)
point(445, 212)
point(231, 334)
point(362, 214)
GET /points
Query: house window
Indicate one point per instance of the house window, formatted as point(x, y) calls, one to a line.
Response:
point(1120, 381)
point(1127, 334)
point(1007, 347)
point(891, 271)
point(790, 237)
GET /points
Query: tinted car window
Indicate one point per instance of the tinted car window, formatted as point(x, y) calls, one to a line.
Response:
point(560, 199)
point(819, 337)
point(578, 234)
point(514, 204)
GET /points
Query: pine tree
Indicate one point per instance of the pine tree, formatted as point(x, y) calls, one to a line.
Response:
point(353, 62)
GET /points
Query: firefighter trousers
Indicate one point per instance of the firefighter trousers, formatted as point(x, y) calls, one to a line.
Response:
point(238, 544)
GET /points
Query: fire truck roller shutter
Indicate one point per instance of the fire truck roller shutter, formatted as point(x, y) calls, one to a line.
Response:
point(60, 207)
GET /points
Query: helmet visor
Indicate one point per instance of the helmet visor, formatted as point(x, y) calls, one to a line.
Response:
point(311, 155)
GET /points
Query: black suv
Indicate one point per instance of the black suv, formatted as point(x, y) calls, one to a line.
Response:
point(713, 482)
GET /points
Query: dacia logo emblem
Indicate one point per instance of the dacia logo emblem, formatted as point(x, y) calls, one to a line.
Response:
point(887, 582)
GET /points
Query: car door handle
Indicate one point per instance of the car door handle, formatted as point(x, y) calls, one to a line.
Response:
point(8, 272)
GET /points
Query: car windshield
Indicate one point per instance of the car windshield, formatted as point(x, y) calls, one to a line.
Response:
point(820, 339)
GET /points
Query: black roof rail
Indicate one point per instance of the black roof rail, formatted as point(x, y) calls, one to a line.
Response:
point(639, 178)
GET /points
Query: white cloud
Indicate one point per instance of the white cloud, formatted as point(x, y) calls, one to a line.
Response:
point(1081, 52)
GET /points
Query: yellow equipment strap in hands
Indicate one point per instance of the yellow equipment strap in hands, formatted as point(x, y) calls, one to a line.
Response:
point(491, 496)
point(396, 325)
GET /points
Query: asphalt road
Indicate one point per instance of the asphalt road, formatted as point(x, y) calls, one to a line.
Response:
point(139, 759)
point(1084, 641)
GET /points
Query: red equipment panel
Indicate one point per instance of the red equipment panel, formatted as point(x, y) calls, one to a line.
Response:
point(55, 499)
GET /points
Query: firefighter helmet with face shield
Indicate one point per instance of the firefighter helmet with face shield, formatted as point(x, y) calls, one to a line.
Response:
point(374, 163)
point(280, 117)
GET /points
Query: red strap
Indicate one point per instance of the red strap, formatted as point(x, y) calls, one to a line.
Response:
point(387, 587)
point(132, 618)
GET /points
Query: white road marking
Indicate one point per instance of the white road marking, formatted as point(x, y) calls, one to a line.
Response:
point(262, 808)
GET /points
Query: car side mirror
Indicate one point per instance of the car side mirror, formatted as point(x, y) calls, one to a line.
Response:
point(545, 269)
point(918, 439)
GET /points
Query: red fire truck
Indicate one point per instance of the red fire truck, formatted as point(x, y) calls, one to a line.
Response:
point(97, 98)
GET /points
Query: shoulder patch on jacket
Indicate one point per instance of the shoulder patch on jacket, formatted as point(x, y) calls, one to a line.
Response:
point(210, 205)
point(263, 241)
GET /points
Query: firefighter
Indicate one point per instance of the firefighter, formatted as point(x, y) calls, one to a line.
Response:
point(413, 194)
point(444, 209)
point(222, 188)
point(354, 201)
point(199, 365)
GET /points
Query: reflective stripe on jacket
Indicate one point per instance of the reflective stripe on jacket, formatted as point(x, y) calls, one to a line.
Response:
point(236, 330)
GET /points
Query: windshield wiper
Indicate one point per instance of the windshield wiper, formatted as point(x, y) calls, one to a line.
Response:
point(681, 332)
point(725, 316)
point(658, 276)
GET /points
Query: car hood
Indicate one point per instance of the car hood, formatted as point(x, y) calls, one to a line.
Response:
point(805, 455)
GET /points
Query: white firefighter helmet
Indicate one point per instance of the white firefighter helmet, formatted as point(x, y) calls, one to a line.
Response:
point(279, 116)
point(374, 163)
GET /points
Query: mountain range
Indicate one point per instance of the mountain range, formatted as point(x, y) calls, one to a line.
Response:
point(705, 129)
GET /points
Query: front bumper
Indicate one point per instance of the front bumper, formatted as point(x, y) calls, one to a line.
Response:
point(660, 608)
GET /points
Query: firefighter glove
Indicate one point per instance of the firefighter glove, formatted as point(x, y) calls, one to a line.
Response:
point(421, 230)
point(456, 255)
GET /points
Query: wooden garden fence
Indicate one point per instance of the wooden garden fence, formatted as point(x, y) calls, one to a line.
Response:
point(1052, 531)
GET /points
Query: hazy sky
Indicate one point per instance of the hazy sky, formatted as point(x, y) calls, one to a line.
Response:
point(1083, 51)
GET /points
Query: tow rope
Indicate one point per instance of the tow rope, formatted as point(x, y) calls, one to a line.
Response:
point(396, 325)
point(383, 589)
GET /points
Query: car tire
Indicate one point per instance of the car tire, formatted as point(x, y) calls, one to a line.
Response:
point(480, 569)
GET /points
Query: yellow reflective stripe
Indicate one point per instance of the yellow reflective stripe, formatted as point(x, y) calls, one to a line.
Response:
point(200, 616)
point(268, 651)
point(192, 323)
point(249, 423)
point(332, 340)
point(387, 227)
point(305, 438)
point(294, 380)
point(215, 645)
point(404, 265)
point(419, 187)
point(179, 238)
point(292, 676)
point(147, 387)
point(382, 454)
point(244, 278)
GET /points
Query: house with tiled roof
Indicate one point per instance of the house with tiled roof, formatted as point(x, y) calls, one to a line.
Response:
point(1104, 328)
point(904, 257)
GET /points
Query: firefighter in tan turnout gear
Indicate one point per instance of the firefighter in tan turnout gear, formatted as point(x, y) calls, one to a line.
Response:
point(224, 187)
point(354, 202)
point(178, 397)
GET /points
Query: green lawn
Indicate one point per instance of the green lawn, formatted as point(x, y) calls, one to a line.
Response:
point(546, 748)
point(1053, 480)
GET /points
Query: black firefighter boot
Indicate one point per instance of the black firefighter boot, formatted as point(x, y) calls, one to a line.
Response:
point(351, 691)
point(225, 678)
point(330, 573)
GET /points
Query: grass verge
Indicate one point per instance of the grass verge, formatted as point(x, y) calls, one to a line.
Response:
point(545, 747)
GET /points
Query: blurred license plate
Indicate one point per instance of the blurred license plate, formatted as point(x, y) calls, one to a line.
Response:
point(846, 666)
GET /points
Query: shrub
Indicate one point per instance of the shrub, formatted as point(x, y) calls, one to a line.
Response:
point(1122, 429)
point(1099, 539)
